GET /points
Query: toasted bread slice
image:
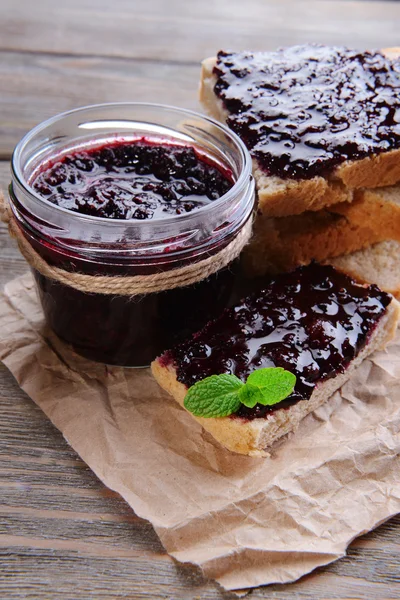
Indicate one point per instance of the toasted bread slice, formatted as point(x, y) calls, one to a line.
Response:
point(378, 264)
point(282, 197)
point(253, 436)
point(281, 244)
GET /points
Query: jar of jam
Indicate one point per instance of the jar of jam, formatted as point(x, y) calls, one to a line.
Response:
point(131, 194)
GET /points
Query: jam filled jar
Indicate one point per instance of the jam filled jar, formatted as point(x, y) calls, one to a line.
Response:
point(119, 192)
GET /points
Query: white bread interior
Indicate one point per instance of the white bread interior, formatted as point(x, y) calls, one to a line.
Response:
point(282, 197)
point(256, 436)
point(378, 264)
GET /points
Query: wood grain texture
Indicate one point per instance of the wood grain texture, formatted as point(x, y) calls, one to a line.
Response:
point(60, 529)
point(175, 30)
point(36, 87)
point(63, 535)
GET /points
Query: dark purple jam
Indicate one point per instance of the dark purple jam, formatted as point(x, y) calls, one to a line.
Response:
point(131, 331)
point(130, 180)
point(312, 322)
point(133, 180)
point(301, 111)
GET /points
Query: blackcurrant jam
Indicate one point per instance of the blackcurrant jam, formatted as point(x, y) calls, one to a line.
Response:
point(140, 179)
point(312, 322)
point(125, 190)
point(304, 110)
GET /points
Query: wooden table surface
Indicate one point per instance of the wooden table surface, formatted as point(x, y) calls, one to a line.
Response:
point(64, 535)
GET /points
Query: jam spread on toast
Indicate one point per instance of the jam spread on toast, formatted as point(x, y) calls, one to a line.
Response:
point(312, 322)
point(301, 111)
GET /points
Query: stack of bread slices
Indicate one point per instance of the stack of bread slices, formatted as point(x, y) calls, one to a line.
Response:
point(349, 217)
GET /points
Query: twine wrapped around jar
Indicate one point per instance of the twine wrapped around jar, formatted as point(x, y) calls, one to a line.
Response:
point(126, 285)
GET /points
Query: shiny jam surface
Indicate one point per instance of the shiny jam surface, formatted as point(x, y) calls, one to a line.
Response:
point(303, 110)
point(136, 180)
point(312, 322)
point(132, 180)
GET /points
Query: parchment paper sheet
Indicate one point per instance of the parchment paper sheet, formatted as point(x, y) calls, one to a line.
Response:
point(245, 521)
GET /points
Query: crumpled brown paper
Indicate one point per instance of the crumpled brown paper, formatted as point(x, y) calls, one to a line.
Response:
point(245, 521)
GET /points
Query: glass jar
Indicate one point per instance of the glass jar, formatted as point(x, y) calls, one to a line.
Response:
point(120, 329)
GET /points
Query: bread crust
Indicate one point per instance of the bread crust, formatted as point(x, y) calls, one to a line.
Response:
point(256, 436)
point(282, 244)
point(282, 197)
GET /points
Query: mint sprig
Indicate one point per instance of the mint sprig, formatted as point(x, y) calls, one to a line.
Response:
point(215, 396)
point(222, 395)
point(267, 386)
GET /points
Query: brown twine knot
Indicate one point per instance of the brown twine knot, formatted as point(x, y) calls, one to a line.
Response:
point(126, 285)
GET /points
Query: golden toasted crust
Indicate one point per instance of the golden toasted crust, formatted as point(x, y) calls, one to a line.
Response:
point(278, 197)
point(256, 436)
point(281, 244)
point(235, 434)
point(282, 197)
point(374, 171)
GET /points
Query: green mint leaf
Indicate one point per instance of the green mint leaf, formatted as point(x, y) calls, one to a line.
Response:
point(222, 395)
point(267, 386)
point(250, 396)
point(215, 396)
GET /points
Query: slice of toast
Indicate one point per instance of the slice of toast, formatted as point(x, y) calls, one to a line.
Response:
point(282, 244)
point(282, 197)
point(273, 328)
point(378, 264)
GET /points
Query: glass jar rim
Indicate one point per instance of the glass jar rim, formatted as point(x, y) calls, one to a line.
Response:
point(241, 182)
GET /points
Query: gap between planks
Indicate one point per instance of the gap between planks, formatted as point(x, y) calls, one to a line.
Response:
point(89, 56)
point(70, 515)
point(85, 548)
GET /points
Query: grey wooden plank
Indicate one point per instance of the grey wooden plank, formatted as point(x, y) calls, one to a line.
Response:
point(189, 31)
point(67, 575)
point(36, 87)
point(11, 262)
